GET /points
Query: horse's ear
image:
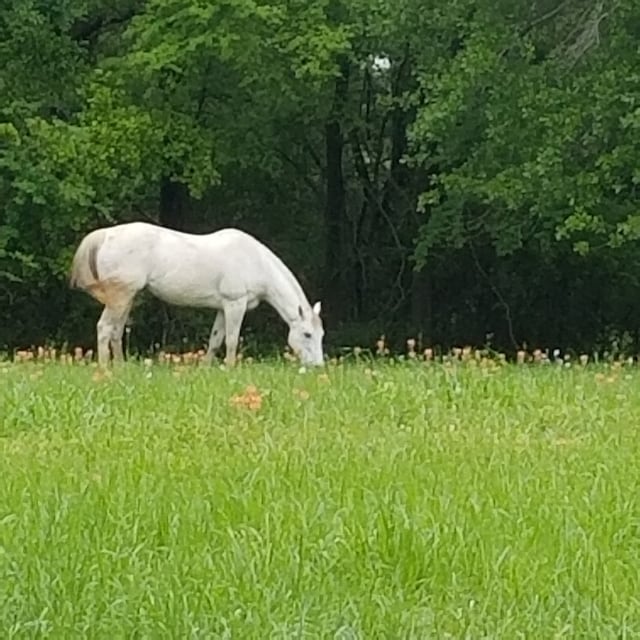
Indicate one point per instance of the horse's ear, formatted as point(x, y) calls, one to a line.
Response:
point(300, 312)
point(316, 308)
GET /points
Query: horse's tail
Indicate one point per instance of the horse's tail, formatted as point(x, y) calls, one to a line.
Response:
point(84, 268)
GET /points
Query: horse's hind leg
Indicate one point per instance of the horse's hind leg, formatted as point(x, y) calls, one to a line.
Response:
point(233, 315)
point(104, 330)
point(117, 333)
point(216, 337)
point(110, 330)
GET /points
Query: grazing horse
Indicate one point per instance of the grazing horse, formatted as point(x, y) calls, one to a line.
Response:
point(227, 270)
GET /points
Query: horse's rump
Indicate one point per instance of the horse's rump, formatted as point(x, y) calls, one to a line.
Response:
point(84, 268)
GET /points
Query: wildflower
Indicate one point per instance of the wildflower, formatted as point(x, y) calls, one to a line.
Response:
point(301, 394)
point(381, 346)
point(250, 399)
point(411, 347)
point(520, 357)
point(428, 354)
point(101, 374)
point(584, 359)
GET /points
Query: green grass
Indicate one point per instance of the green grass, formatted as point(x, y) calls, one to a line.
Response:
point(418, 502)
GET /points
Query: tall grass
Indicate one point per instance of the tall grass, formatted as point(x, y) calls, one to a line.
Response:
point(400, 501)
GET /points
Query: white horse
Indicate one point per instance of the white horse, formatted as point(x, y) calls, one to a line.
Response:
point(227, 270)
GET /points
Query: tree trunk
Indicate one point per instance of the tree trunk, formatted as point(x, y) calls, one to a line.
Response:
point(174, 198)
point(335, 205)
point(394, 224)
point(421, 306)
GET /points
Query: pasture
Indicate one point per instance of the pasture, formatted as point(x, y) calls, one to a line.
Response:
point(406, 500)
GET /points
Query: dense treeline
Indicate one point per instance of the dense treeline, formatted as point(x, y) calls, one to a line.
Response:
point(464, 170)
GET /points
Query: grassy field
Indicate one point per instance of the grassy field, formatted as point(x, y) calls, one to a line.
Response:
point(369, 501)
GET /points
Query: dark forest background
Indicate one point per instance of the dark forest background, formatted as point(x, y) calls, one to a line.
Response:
point(465, 171)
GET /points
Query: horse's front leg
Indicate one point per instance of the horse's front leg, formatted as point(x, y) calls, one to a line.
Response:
point(233, 315)
point(216, 337)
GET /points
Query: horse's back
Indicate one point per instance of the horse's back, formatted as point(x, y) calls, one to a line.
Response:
point(140, 229)
point(206, 269)
point(184, 268)
point(230, 236)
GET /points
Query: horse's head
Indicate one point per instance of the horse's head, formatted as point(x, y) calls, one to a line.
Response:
point(305, 336)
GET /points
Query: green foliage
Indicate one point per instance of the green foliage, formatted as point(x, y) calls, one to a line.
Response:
point(496, 132)
point(535, 145)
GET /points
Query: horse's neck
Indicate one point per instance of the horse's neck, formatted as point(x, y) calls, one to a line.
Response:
point(284, 292)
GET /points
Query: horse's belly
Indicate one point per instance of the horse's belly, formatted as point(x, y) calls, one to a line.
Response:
point(186, 294)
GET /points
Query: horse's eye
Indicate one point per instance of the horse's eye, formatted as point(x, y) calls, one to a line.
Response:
point(307, 335)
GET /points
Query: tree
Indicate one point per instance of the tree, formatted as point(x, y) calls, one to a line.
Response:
point(455, 171)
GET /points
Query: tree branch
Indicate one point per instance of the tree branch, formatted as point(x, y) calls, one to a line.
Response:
point(91, 28)
point(533, 24)
point(499, 296)
point(315, 188)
